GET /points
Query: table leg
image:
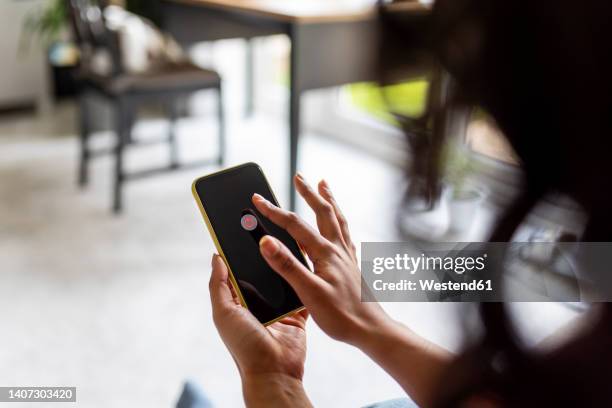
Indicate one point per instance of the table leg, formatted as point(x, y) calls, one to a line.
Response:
point(84, 127)
point(294, 113)
point(250, 78)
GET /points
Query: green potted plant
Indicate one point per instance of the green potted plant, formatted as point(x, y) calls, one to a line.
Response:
point(47, 24)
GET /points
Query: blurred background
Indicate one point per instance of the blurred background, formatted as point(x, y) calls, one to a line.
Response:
point(106, 117)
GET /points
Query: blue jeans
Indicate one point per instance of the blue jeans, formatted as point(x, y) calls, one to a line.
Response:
point(394, 403)
point(194, 397)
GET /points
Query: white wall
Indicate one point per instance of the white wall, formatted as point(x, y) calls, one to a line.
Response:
point(23, 74)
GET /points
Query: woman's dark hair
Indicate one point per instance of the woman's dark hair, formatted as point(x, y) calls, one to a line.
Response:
point(542, 70)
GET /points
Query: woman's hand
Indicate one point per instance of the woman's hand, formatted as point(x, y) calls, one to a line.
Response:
point(270, 359)
point(332, 294)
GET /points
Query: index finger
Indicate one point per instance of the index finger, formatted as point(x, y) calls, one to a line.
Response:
point(326, 218)
point(313, 243)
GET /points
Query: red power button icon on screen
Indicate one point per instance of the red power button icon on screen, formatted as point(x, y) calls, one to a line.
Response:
point(248, 222)
point(251, 224)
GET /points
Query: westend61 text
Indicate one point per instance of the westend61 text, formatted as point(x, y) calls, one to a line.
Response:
point(433, 286)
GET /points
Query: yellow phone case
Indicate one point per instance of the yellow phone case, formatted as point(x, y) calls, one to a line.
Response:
point(218, 245)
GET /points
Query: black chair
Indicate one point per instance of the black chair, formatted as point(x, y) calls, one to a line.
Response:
point(168, 84)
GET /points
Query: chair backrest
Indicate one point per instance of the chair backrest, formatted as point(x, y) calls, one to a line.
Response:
point(91, 32)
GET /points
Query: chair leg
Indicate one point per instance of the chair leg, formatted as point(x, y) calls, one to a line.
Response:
point(130, 117)
point(84, 130)
point(173, 118)
point(123, 128)
point(221, 123)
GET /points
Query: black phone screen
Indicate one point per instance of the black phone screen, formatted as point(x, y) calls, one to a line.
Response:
point(238, 226)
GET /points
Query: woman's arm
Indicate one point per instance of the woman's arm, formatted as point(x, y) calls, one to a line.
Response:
point(414, 362)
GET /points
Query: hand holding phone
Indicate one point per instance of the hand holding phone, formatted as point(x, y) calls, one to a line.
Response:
point(267, 357)
point(270, 359)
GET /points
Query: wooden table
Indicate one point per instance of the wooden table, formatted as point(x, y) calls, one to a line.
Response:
point(333, 42)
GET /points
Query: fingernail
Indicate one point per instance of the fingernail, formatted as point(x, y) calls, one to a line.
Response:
point(299, 176)
point(258, 197)
point(269, 246)
point(212, 260)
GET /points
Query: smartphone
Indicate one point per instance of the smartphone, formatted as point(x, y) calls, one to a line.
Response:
point(236, 227)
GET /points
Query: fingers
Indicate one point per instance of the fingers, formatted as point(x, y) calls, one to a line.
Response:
point(303, 314)
point(326, 193)
point(234, 294)
point(313, 243)
point(326, 218)
point(298, 319)
point(220, 293)
point(286, 265)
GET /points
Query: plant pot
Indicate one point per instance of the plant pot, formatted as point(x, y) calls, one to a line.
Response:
point(63, 63)
point(463, 207)
point(418, 220)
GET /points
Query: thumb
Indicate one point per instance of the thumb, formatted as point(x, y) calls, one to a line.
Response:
point(278, 256)
point(220, 293)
